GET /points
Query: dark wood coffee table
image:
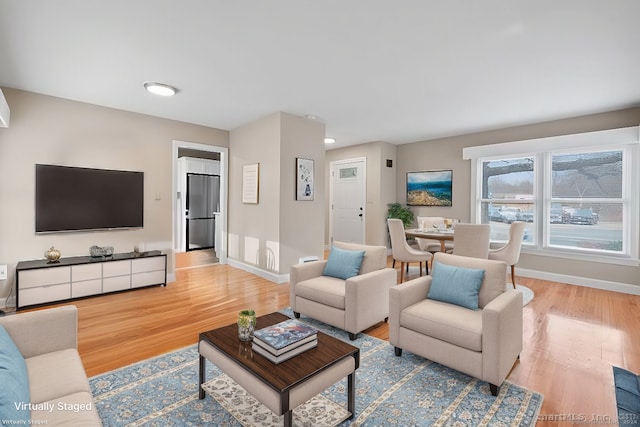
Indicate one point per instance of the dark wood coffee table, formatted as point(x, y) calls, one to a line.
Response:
point(284, 386)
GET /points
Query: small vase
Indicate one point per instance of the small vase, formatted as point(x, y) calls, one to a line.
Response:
point(53, 255)
point(246, 324)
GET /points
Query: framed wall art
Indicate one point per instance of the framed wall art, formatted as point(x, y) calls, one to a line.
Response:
point(250, 181)
point(429, 188)
point(305, 188)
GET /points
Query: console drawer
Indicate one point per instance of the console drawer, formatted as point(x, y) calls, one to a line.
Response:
point(86, 288)
point(118, 283)
point(116, 268)
point(147, 279)
point(143, 265)
point(42, 294)
point(44, 276)
point(86, 272)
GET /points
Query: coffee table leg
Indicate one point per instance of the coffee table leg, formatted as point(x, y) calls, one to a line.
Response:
point(201, 378)
point(351, 394)
point(288, 418)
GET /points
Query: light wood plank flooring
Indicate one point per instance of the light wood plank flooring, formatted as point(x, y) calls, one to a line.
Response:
point(572, 335)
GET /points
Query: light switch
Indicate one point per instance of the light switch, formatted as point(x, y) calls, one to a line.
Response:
point(3, 271)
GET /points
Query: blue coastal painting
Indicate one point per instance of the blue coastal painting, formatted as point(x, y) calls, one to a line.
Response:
point(430, 188)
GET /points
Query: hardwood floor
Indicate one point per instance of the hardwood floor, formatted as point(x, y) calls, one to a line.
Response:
point(572, 335)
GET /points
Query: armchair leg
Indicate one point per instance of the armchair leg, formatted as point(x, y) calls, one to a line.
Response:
point(402, 271)
point(495, 389)
point(352, 337)
point(296, 314)
point(397, 351)
point(513, 276)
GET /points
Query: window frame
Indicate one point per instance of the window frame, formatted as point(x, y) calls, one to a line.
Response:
point(626, 140)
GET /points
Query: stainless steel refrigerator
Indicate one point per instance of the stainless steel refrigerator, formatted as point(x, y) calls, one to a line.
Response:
point(203, 200)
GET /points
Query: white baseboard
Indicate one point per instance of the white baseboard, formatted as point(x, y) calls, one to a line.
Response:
point(268, 275)
point(606, 285)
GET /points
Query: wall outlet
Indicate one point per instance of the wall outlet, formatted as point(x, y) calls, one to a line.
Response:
point(3, 271)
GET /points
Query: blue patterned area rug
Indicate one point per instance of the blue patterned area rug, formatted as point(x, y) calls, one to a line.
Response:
point(390, 390)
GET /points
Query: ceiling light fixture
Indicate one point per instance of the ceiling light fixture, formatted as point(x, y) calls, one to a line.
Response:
point(160, 88)
point(329, 140)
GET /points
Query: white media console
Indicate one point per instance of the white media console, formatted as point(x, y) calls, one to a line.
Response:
point(41, 282)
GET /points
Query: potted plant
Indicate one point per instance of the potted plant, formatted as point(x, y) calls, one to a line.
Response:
point(403, 213)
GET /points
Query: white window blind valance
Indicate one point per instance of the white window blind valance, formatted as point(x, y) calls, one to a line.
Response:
point(609, 137)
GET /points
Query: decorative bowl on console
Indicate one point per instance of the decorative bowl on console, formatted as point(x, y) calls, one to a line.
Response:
point(53, 255)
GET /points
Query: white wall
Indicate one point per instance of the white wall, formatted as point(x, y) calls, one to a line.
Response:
point(268, 237)
point(51, 130)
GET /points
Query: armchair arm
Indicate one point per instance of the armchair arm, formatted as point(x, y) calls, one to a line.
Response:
point(401, 297)
point(300, 272)
point(501, 335)
point(44, 331)
point(367, 298)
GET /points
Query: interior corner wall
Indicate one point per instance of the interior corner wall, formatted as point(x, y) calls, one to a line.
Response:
point(301, 231)
point(254, 229)
point(446, 153)
point(381, 186)
point(273, 234)
point(51, 130)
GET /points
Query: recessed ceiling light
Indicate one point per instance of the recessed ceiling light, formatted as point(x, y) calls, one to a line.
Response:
point(329, 140)
point(160, 88)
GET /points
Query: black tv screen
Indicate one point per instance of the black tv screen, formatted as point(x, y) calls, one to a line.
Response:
point(75, 199)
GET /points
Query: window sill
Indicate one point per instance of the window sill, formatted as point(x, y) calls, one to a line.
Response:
point(605, 259)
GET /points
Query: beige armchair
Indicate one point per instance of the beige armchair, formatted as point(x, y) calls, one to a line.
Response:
point(483, 343)
point(354, 304)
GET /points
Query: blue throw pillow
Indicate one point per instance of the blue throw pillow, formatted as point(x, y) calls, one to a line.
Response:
point(14, 380)
point(456, 285)
point(343, 263)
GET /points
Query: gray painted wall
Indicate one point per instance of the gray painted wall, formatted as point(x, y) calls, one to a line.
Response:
point(51, 130)
point(278, 226)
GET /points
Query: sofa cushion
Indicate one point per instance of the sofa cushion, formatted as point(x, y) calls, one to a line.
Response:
point(77, 409)
point(56, 374)
point(456, 285)
point(14, 380)
point(324, 290)
point(446, 322)
point(343, 263)
point(375, 257)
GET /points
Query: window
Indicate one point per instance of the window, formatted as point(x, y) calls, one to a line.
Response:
point(587, 207)
point(508, 195)
point(575, 199)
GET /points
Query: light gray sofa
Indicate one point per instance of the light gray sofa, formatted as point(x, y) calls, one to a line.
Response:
point(483, 343)
point(353, 304)
point(58, 386)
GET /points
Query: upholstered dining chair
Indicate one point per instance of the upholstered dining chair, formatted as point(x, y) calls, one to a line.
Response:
point(431, 245)
point(401, 251)
point(510, 252)
point(472, 240)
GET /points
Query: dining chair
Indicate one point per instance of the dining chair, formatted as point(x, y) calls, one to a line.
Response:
point(431, 245)
point(401, 250)
point(472, 240)
point(510, 252)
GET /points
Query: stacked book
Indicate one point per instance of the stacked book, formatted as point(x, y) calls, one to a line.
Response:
point(284, 340)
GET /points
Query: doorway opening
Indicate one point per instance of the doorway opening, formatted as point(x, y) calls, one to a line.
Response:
point(199, 200)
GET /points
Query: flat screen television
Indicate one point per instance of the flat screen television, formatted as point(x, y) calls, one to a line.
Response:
point(78, 199)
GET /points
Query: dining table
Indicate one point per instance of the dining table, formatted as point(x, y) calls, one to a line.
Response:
point(442, 235)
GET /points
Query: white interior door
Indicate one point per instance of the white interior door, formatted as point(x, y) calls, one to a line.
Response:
point(348, 190)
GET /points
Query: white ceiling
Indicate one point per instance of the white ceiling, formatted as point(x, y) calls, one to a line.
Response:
point(396, 71)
